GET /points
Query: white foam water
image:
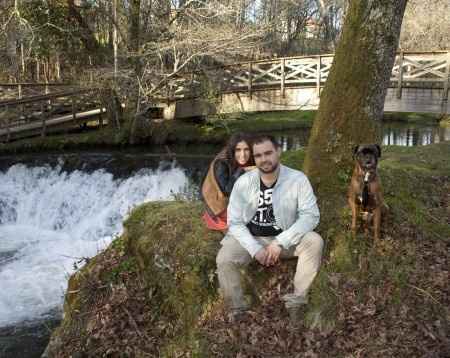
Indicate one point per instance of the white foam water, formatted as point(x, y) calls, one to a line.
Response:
point(49, 219)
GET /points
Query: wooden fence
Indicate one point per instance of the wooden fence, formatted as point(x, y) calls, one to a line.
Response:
point(411, 69)
point(37, 113)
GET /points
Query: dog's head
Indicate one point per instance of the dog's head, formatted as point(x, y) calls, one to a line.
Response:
point(367, 156)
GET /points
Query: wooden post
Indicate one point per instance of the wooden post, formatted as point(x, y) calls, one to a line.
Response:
point(319, 65)
point(250, 80)
point(115, 42)
point(8, 130)
point(446, 80)
point(74, 112)
point(43, 120)
point(283, 76)
point(100, 120)
point(21, 107)
point(400, 75)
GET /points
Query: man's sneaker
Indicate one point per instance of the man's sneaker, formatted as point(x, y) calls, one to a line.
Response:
point(293, 300)
point(239, 315)
point(295, 306)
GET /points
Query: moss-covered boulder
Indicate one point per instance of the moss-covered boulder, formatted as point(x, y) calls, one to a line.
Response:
point(145, 294)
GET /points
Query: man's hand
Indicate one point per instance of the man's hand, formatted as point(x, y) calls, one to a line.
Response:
point(273, 253)
point(261, 256)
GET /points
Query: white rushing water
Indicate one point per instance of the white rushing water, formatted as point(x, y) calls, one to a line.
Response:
point(49, 218)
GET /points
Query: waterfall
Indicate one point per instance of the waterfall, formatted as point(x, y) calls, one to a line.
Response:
point(49, 219)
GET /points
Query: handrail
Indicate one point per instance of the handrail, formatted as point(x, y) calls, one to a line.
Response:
point(45, 97)
point(272, 60)
point(37, 84)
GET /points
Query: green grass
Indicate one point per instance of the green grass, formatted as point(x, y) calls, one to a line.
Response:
point(411, 117)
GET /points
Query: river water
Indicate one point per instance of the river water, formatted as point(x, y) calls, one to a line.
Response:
point(56, 209)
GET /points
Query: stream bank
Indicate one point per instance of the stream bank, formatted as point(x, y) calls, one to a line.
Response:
point(153, 291)
point(212, 131)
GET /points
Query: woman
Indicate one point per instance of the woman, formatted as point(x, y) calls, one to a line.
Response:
point(224, 170)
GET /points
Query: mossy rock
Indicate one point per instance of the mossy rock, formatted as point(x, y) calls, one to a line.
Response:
point(175, 254)
point(166, 258)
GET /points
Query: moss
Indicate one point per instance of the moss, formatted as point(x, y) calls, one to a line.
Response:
point(293, 158)
point(445, 121)
point(176, 256)
point(91, 139)
point(411, 117)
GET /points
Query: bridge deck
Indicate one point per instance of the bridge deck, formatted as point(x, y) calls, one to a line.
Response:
point(41, 114)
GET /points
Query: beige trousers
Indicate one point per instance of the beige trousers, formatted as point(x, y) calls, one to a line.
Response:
point(232, 257)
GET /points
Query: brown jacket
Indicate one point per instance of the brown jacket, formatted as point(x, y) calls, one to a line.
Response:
point(216, 201)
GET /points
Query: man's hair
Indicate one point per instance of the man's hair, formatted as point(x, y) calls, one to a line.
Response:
point(260, 138)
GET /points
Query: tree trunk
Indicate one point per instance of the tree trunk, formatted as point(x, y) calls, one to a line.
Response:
point(135, 34)
point(86, 34)
point(352, 101)
point(134, 48)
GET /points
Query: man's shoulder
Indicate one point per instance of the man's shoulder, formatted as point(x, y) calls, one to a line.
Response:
point(294, 174)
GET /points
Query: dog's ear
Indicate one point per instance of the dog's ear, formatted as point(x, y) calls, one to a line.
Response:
point(379, 150)
point(355, 150)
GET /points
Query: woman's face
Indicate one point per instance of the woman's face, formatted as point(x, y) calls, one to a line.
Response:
point(242, 153)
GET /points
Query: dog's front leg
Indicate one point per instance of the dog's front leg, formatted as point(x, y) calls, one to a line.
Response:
point(354, 208)
point(376, 223)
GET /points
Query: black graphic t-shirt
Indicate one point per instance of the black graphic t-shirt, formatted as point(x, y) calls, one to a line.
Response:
point(263, 223)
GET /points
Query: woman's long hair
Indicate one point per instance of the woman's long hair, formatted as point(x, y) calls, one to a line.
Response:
point(231, 147)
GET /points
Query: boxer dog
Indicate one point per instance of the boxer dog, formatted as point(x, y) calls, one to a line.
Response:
point(364, 193)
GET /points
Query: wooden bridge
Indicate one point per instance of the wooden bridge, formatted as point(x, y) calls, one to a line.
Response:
point(53, 112)
point(419, 83)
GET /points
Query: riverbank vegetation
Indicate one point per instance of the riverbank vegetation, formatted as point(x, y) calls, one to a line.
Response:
point(210, 130)
point(153, 292)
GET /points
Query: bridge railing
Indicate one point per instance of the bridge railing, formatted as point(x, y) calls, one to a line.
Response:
point(27, 89)
point(24, 113)
point(424, 69)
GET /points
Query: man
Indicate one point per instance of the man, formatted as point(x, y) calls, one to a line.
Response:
point(271, 215)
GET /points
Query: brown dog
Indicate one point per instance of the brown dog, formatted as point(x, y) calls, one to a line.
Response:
point(364, 194)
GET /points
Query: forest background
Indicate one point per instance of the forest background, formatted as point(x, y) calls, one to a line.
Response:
point(139, 47)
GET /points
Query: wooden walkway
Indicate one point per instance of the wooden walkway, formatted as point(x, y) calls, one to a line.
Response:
point(419, 83)
point(42, 114)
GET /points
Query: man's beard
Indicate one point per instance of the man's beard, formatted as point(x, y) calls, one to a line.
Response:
point(272, 169)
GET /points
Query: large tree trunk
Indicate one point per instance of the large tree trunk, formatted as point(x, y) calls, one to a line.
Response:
point(352, 101)
point(134, 42)
point(86, 34)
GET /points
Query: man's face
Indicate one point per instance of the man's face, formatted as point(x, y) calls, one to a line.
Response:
point(267, 157)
